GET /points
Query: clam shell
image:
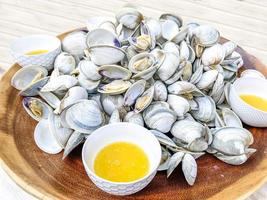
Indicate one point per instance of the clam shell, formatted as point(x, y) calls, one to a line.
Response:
point(179, 104)
point(75, 43)
point(160, 92)
point(84, 116)
point(143, 101)
point(36, 108)
point(89, 70)
point(65, 63)
point(60, 133)
point(106, 55)
point(75, 139)
point(133, 92)
point(27, 75)
point(62, 82)
point(114, 72)
point(102, 36)
point(44, 139)
point(114, 87)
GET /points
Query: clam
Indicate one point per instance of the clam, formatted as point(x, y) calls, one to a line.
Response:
point(75, 139)
point(174, 162)
point(170, 16)
point(27, 75)
point(186, 71)
point(206, 109)
point(45, 139)
point(171, 47)
point(213, 55)
point(184, 88)
point(133, 92)
point(190, 134)
point(159, 116)
point(205, 35)
point(143, 101)
point(102, 37)
point(89, 70)
point(129, 17)
point(189, 167)
point(141, 43)
point(50, 98)
point(169, 29)
point(231, 141)
point(65, 63)
point(168, 66)
point(106, 55)
point(153, 26)
point(142, 65)
point(75, 43)
point(228, 118)
point(73, 95)
point(134, 117)
point(235, 160)
point(184, 51)
point(114, 72)
point(36, 108)
point(62, 82)
point(84, 116)
point(111, 103)
point(160, 91)
point(179, 104)
point(34, 88)
point(207, 80)
point(114, 87)
point(60, 133)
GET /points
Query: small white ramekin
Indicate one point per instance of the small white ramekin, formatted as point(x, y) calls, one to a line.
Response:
point(247, 113)
point(121, 132)
point(22, 45)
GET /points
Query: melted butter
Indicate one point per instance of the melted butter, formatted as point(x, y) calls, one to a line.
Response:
point(36, 52)
point(121, 162)
point(255, 101)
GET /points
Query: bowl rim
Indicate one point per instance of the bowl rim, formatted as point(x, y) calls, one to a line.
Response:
point(233, 89)
point(121, 183)
point(28, 37)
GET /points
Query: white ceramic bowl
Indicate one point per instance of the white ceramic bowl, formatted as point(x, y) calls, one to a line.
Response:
point(21, 46)
point(247, 113)
point(116, 132)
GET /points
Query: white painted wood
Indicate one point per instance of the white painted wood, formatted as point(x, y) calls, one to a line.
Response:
point(243, 21)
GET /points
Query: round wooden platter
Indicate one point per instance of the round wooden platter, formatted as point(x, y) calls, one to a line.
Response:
point(49, 177)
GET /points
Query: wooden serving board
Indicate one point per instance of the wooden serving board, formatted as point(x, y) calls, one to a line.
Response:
point(49, 177)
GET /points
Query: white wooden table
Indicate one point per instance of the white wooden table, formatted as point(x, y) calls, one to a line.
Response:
point(243, 21)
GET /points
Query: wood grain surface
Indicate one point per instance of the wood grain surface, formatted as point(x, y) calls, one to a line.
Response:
point(243, 21)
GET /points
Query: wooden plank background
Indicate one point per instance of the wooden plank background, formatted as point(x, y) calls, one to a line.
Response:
point(243, 21)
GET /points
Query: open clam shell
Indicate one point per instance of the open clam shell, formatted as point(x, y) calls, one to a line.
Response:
point(114, 87)
point(44, 138)
point(106, 55)
point(27, 75)
point(36, 108)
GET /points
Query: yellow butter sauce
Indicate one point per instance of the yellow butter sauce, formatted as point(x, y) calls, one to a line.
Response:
point(121, 162)
point(36, 52)
point(255, 101)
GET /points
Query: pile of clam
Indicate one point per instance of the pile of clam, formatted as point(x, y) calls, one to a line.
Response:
point(170, 77)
